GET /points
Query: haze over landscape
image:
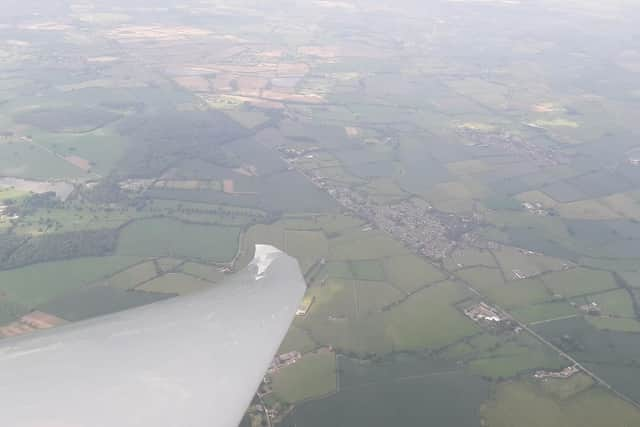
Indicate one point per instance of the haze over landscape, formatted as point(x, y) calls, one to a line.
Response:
point(458, 180)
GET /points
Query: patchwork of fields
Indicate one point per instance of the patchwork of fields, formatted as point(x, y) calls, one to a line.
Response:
point(459, 184)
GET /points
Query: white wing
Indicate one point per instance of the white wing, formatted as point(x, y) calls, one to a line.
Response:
point(187, 362)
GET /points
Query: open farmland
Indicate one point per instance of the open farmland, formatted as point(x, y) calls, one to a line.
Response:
point(38, 283)
point(312, 377)
point(458, 181)
point(167, 237)
point(522, 404)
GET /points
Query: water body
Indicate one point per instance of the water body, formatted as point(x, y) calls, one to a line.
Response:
point(404, 390)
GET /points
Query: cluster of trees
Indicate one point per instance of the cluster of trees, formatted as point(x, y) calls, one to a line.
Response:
point(46, 200)
point(67, 119)
point(162, 140)
point(18, 251)
point(9, 243)
point(106, 191)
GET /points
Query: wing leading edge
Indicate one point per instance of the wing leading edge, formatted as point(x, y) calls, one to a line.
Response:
point(190, 361)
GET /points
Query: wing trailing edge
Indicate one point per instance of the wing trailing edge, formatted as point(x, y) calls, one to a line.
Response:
point(191, 361)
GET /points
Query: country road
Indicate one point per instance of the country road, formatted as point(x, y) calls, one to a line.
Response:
point(549, 344)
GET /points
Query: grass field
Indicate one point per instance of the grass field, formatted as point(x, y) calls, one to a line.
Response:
point(203, 271)
point(385, 189)
point(371, 270)
point(615, 324)
point(130, 278)
point(519, 293)
point(334, 320)
point(514, 262)
point(578, 281)
point(360, 245)
point(545, 311)
point(311, 377)
point(632, 278)
point(297, 340)
point(428, 320)
point(28, 160)
point(469, 257)
point(174, 283)
point(307, 246)
point(482, 278)
point(409, 272)
point(371, 296)
point(520, 404)
point(168, 237)
point(12, 194)
point(514, 357)
point(624, 205)
point(339, 270)
point(616, 303)
point(332, 224)
point(102, 148)
point(564, 388)
point(38, 283)
point(92, 301)
point(168, 264)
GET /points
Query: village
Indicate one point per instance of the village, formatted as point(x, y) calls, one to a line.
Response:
point(425, 230)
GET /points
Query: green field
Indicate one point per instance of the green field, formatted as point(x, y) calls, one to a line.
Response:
point(169, 237)
point(313, 376)
point(339, 270)
point(361, 245)
point(415, 158)
point(373, 296)
point(85, 303)
point(103, 149)
point(168, 264)
point(513, 261)
point(308, 246)
point(615, 324)
point(482, 278)
point(174, 283)
point(564, 388)
point(31, 161)
point(409, 272)
point(522, 354)
point(579, 281)
point(203, 271)
point(38, 283)
point(428, 320)
point(8, 194)
point(335, 320)
point(520, 404)
point(297, 340)
point(544, 311)
point(615, 303)
point(371, 270)
point(131, 277)
point(518, 293)
point(469, 257)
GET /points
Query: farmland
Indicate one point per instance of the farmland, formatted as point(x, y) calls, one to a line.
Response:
point(422, 164)
point(164, 237)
